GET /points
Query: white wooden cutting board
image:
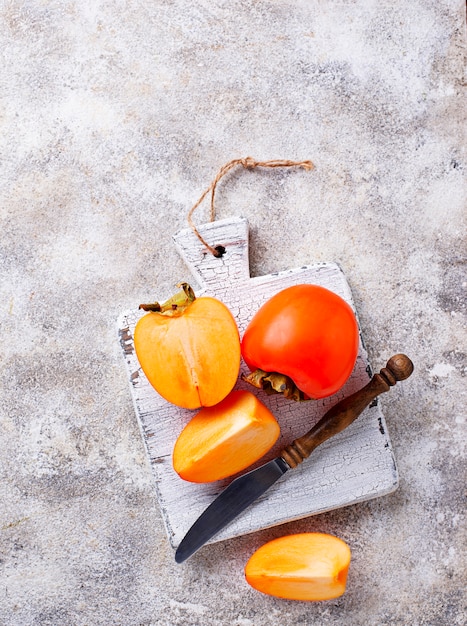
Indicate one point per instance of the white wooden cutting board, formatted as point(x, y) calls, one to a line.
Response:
point(356, 465)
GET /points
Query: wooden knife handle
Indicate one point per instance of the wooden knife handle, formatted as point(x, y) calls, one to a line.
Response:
point(399, 367)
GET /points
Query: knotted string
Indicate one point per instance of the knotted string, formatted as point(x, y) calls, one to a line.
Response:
point(248, 163)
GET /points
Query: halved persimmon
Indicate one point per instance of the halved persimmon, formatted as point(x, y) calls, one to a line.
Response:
point(222, 440)
point(189, 349)
point(305, 566)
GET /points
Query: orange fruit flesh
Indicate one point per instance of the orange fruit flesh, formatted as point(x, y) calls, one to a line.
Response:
point(224, 439)
point(193, 359)
point(307, 566)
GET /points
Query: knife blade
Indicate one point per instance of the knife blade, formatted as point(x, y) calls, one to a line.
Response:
point(244, 490)
point(235, 498)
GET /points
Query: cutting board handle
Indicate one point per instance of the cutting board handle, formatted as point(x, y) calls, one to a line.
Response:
point(217, 273)
point(399, 367)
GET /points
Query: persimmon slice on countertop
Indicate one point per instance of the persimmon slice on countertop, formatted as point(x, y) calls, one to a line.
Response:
point(222, 440)
point(189, 349)
point(305, 566)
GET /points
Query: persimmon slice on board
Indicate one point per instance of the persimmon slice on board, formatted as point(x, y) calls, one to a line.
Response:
point(306, 566)
point(189, 349)
point(222, 440)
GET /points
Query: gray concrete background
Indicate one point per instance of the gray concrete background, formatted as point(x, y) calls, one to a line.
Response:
point(114, 117)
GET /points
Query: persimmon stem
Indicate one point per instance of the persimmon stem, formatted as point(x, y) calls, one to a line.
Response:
point(174, 305)
point(155, 307)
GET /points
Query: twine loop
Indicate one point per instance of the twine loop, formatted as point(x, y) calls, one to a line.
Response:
point(249, 164)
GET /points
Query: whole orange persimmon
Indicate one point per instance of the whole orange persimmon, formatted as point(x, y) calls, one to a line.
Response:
point(189, 349)
point(306, 334)
point(224, 439)
point(305, 566)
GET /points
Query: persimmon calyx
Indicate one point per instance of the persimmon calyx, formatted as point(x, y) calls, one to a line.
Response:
point(274, 382)
point(175, 305)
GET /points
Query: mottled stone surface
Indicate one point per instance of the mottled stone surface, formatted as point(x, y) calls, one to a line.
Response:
point(114, 117)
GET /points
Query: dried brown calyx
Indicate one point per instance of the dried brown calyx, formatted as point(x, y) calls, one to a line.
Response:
point(274, 382)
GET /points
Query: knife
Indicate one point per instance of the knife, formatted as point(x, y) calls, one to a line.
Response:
point(244, 490)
